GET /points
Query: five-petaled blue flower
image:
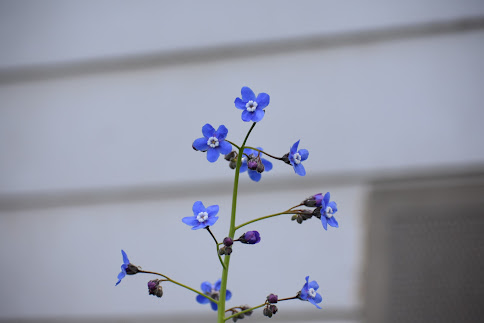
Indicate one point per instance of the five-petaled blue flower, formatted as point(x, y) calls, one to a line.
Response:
point(202, 217)
point(213, 292)
point(253, 174)
point(328, 209)
point(308, 293)
point(124, 266)
point(253, 107)
point(297, 157)
point(213, 142)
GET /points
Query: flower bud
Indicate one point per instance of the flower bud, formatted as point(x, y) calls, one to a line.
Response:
point(317, 212)
point(272, 298)
point(225, 250)
point(252, 164)
point(250, 237)
point(246, 307)
point(228, 241)
point(260, 166)
point(231, 155)
point(233, 164)
point(154, 288)
point(267, 312)
point(131, 269)
point(273, 308)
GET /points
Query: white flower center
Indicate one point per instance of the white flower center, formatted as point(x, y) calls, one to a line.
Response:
point(202, 216)
point(329, 212)
point(251, 106)
point(297, 158)
point(212, 142)
point(312, 292)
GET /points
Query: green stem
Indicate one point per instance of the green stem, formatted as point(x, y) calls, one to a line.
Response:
point(278, 158)
point(258, 306)
point(225, 271)
point(261, 218)
point(216, 245)
point(179, 284)
point(232, 144)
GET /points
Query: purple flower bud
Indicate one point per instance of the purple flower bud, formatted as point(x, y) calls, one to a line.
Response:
point(272, 298)
point(252, 164)
point(154, 288)
point(228, 241)
point(250, 237)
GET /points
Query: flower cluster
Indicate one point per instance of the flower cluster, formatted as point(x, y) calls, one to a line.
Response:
point(324, 209)
point(254, 161)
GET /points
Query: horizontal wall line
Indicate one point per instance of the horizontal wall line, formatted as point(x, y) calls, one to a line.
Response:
point(234, 51)
point(169, 191)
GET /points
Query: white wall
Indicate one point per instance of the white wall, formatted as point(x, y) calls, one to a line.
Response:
point(409, 100)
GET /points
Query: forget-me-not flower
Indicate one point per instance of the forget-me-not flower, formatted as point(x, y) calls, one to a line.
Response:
point(202, 217)
point(254, 174)
point(127, 268)
point(308, 293)
point(296, 157)
point(253, 106)
point(213, 142)
point(328, 209)
point(213, 292)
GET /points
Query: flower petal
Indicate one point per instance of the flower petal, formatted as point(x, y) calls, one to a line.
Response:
point(243, 167)
point(125, 257)
point(208, 130)
point(201, 144)
point(190, 220)
point(314, 285)
point(221, 132)
point(214, 306)
point(202, 300)
point(217, 284)
point(206, 287)
point(212, 155)
point(212, 210)
point(211, 221)
point(326, 198)
point(225, 147)
point(304, 154)
point(267, 164)
point(299, 169)
point(311, 300)
point(333, 206)
point(201, 225)
point(332, 222)
point(254, 175)
point(318, 298)
point(228, 295)
point(324, 221)
point(258, 115)
point(249, 151)
point(293, 149)
point(247, 94)
point(262, 100)
point(239, 104)
point(246, 116)
point(198, 207)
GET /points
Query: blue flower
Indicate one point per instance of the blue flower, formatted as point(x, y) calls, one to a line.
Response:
point(202, 217)
point(297, 157)
point(308, 293)
point(124, 266)
point(327, 210)
point(253, 107)
point(253, 174)
point(213, 142)
point(250, 237)
point(213, 292)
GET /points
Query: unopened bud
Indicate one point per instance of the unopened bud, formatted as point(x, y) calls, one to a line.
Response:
point(228, 241)
point(260, 167)
point(272, 298)
point(273, 308)
point(233, 164)
point(131, 269)
point(267, 312)
point(246, 307)
point(252, 164)
point(231, 155)
point(154, 288)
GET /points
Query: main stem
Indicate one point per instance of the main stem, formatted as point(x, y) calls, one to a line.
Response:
point(225, 271)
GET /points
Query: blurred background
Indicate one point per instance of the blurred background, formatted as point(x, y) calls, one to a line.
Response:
point(100, 102)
